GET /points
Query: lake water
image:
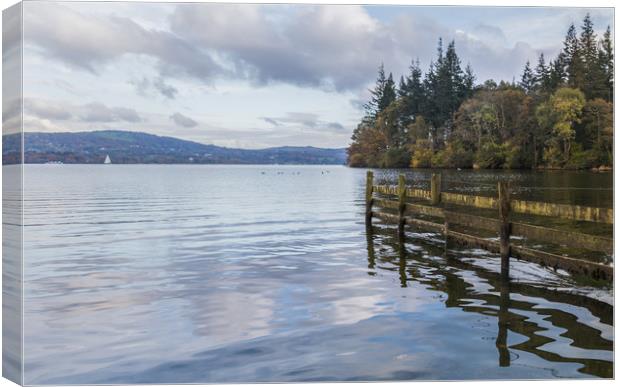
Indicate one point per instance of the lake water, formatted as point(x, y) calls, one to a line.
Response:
point(170, 274)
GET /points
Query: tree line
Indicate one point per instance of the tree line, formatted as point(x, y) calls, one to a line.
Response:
point(559, 115)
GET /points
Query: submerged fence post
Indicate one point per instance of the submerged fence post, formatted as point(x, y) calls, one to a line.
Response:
point(369, 183)
point(402, 196)
point(435, 188)
point(504, 227)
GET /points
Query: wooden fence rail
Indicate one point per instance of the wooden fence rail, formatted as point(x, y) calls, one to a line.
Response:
point(433, 206)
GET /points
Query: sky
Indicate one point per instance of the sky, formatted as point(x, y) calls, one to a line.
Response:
point(255, 76)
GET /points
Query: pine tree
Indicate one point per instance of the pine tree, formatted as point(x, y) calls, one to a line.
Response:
point(542, 75)
point(468, 81)
point(587, 43)
point(573, 62)
point(528, 80)
point(389, 93)
point(556, 73)
point(412, 93)
point(594, 77)
point(446, 90)
point(606, 64)
point(373, 107)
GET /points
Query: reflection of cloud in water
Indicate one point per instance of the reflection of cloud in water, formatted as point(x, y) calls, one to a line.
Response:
point(228, 316)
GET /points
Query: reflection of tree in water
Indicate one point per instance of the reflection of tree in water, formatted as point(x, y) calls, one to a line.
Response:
point(442, 276)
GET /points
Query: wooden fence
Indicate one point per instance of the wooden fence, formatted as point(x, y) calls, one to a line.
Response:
point(400, 210)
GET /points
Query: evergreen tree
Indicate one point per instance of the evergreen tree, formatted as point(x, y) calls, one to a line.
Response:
point(373, 107)
point(389, 94)
point(468, 81)
point(594, 77)
point(588, 44)
point(528, 80)
point(412, 93)
point(556, 73)
point(606, 64)
point(402, 87)
point(573, 63)
point(542, 75)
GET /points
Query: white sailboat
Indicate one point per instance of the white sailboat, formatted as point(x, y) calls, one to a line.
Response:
point(107, 160)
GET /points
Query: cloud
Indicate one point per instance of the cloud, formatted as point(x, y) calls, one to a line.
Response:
point(333, 47)
point(321, 46)
point(300, 45)
point(46, 109)
point(492, 33)
point(92, 112)
point(336, 126)
point(304, 120)
point(164, 89)
point(144, 86)
point(271, 121)
point(89, 41)
point(183, 121)
point(98, 112)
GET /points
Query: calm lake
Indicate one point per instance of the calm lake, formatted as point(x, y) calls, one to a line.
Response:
point(205, 274)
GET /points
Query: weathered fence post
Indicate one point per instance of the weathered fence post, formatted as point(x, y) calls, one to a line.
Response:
point(402, 197)
point(369, 183)
point(504, 227)
point(435, 188)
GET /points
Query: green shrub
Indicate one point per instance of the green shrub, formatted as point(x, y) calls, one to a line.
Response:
point(581, 159)
point(396, 158)
point(490, 155)
point(453, 156)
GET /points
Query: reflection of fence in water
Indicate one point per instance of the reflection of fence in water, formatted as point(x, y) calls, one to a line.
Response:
point(396, 206)
point(512, 314)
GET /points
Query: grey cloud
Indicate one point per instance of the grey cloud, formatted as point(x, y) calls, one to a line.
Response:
point(98, 112)
point(335, 125)
point(164, 89)
point(305, 120)
point(46, 109)
point(144, 86)
point(92, 112)
point(332, 47)
point(489, 31)
point(183, 121)
point(271, 121)
point(324, 46)
point(88, 41)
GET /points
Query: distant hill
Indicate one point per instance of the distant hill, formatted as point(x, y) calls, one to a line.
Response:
point(125, 147)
